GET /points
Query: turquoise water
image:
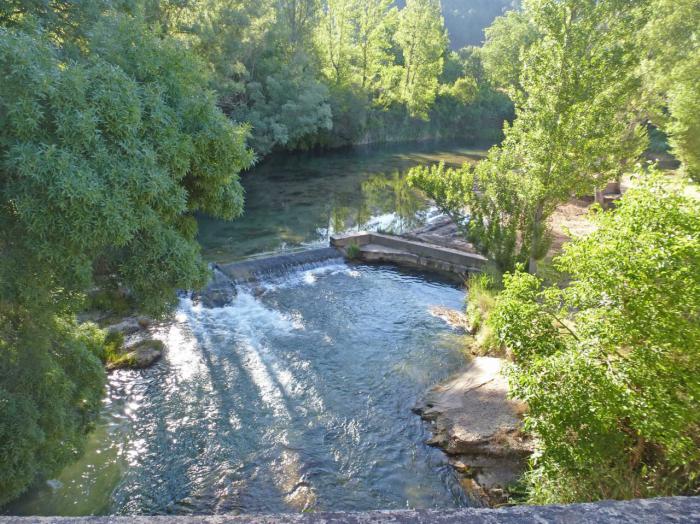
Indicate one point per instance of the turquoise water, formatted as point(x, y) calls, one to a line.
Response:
point(298, 395)
point(299, 200)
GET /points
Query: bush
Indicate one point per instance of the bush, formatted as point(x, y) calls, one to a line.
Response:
point(481, 297)
point(353, 251)
point(610, 365)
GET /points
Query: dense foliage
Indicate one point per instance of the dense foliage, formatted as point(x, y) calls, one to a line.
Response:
point(121, 119)
point(109, 142)
point(670, 45)
point(330, 73)
point(609, 364)
point(584, 77)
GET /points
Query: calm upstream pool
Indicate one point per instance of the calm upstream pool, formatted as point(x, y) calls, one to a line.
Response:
point(299, 200)
point(297, 396)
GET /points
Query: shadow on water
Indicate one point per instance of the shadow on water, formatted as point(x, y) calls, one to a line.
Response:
point(295, 397)
point(298, 395)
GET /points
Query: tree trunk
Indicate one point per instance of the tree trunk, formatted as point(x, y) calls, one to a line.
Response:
point(599, 197)
point(536, 237)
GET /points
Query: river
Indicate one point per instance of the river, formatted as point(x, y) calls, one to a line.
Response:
point(297, 201)
point(298, 395)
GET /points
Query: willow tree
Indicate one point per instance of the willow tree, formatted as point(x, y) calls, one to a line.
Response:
point(104, 159)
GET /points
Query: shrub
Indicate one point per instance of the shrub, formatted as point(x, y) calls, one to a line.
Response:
point(50, 394)
point(353, 251)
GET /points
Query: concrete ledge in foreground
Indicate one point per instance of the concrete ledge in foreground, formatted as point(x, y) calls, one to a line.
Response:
point(649, 511)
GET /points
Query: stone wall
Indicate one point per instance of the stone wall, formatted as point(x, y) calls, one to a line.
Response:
point(674, 510)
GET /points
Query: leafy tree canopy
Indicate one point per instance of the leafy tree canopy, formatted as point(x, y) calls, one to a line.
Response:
point(609, 364)
point(575, 127)
point(670, 45)
point(106, 151)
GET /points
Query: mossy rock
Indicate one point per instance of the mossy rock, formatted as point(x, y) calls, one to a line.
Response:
point(138, 356)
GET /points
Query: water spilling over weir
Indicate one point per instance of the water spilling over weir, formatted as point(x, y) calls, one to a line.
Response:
point(276, 266)
point(293, 388)
point(296, 395)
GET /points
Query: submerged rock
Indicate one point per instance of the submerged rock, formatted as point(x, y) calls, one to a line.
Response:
point(129, 325)
point(455, 319)
point(479, 427)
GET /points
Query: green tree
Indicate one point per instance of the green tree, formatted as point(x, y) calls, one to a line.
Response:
point(507, 40)
point(336, 40)
point(671, 45)
point(104, 159)
point(486, 204)
point(422, 39)
point(574, 128)
point(375, 24)
point(296, 22)
point(609, 365)
point(264, 63)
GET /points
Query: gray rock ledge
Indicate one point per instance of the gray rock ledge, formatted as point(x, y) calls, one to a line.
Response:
point(671, 510)
point(478, 427)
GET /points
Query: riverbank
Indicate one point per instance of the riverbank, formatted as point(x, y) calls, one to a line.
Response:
point(480, 428)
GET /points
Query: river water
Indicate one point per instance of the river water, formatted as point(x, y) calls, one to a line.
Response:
point(298, 395)
point(299, 200)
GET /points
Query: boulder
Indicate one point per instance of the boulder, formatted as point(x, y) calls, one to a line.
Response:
point(130, 325)
point(127, 326)
point(219, 292)
point(141, 355)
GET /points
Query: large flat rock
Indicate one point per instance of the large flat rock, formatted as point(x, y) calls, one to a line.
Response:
point(475, 422)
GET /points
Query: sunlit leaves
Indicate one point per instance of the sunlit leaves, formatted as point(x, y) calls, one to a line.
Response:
point(609, 365)
point(104, 158)
point(574, 90)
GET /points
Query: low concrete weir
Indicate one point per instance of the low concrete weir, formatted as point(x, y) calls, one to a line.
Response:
point(670, 510)
point(377, 247)
point(250, 270)
point(374, 247)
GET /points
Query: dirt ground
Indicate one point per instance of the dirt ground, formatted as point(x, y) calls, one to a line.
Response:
point(569, 220)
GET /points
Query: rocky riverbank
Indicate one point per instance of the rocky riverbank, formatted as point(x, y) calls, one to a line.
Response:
point(479, 428)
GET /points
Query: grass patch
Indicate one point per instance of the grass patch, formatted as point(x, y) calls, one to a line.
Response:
point(353, 251)
point(482, 290)
point(113, 351)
